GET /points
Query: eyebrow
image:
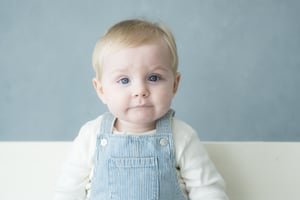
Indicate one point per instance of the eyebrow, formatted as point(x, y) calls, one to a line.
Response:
point(161, 67)
point(118, 71)
point(154, 68)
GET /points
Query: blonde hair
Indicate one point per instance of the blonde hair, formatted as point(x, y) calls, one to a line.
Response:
point(133, 33)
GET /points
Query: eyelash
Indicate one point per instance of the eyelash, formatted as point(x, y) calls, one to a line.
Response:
point(151, 78)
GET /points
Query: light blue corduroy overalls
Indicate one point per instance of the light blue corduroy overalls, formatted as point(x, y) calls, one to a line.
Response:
point(129, 167)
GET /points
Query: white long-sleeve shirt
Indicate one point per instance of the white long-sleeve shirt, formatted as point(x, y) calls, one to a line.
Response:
point(197, 175)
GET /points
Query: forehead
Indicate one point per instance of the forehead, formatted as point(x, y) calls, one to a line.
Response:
point(152, 54)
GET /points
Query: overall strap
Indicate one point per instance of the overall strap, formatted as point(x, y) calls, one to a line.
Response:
point(163, 125)
point(107, 123)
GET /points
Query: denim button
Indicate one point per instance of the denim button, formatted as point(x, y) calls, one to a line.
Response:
point(103, 142)
point(163, 141)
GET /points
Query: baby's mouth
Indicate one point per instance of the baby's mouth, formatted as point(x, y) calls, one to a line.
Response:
point(141, 106)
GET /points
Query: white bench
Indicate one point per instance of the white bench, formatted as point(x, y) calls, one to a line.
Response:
point(252, 170)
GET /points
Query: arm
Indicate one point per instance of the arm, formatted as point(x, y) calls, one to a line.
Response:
point(202, 180)
point(76, 170)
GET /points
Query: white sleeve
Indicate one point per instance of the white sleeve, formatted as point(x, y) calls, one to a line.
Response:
point(201, 179)
point(77, 168)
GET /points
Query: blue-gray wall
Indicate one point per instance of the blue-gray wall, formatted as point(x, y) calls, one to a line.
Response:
point(240, 65)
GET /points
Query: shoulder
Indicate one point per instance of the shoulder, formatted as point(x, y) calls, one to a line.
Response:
point(84, 144)
point(91, 126)
point(89, 131)
point(186, 140)
point(182, 130)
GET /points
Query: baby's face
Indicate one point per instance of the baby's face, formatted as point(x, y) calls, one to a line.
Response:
point(138, 85)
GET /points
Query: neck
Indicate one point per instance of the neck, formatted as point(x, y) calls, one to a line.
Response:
point(122, 126)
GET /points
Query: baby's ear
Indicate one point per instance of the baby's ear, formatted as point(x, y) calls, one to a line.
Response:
point(176, 82)
point(99, 90)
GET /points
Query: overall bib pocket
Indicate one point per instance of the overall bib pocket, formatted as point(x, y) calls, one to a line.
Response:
point(133, 178)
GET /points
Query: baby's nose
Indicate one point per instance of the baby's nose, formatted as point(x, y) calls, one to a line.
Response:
point(141, 91)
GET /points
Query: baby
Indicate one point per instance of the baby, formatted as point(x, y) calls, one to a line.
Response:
point(138, 150)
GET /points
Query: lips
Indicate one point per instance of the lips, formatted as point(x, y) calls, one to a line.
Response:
point(141, 106)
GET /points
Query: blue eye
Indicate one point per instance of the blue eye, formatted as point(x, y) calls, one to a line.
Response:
point(154, 78)
point(124, 81)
